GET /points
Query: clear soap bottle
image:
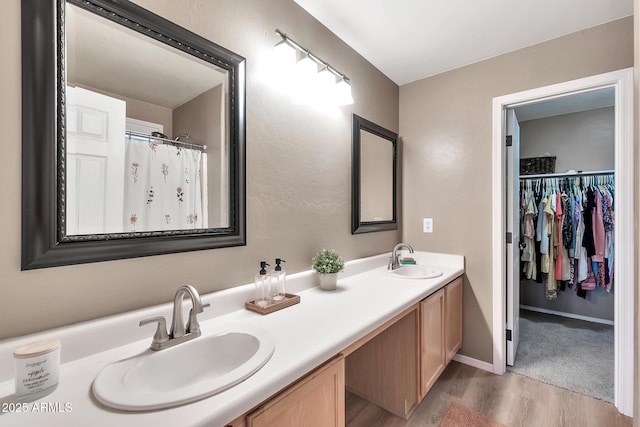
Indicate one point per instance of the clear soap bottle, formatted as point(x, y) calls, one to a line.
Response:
point(279, 276)
point(263, 286)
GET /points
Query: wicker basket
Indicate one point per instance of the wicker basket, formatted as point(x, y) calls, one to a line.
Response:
point(537, 165)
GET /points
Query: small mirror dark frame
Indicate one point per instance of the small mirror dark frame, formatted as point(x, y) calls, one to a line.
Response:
point(44, 242)
point(357, 225)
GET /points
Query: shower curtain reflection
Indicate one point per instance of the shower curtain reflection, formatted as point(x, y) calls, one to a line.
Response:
point(164, 189)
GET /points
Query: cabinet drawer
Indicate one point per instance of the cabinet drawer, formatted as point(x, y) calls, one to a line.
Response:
point(315, 401)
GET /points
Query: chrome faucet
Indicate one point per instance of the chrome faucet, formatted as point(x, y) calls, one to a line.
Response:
point(178, 333)
point(394, 262)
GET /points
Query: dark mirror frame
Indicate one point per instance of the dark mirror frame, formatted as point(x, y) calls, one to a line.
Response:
point(357, 225)
point(44, 242)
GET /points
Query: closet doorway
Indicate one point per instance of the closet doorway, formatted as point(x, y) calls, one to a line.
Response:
point(565, 280)
point(506, 270)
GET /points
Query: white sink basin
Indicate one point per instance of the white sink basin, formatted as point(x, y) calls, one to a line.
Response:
point(187, 372)
point(411, 271)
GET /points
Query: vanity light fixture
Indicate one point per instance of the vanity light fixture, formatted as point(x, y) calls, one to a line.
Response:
point(332, 86)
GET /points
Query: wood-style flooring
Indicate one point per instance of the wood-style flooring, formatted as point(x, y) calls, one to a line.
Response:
point(511, 399)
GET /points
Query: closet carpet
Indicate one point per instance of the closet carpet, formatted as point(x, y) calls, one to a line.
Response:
point(568, 353)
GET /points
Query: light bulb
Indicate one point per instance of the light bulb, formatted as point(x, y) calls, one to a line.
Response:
point(326, 79)
point(306, 68)
point(304, 86)
point(343, 93)
point(325, 84)
point(285, 53)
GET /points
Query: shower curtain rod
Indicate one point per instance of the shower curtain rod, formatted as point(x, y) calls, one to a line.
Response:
point(166, 140)
point(567, 175)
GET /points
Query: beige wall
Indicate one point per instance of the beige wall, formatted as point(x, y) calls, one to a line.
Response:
point(636, 75)
point(141, 110)
point(579, 141)
point(201, 118)
point(298, 175)
point(445, 124)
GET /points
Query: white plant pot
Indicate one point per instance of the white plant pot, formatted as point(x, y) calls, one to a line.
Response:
point(329, 281)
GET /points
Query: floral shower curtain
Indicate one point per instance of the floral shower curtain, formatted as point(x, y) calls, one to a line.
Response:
point(163, 187)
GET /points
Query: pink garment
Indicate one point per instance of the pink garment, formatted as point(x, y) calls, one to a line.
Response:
point(558, 272)
point(598, 230)
point(590, 282)
point(609, 286)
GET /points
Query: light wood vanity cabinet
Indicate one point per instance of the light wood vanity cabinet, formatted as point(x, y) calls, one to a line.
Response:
point(432, 345)
point(393, 367)
point(441, 333)
point(315, 401)
point(453, 320)
point(396, 365)
point(385, 368)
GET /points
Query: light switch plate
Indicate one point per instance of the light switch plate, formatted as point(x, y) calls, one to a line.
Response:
point(427, 225)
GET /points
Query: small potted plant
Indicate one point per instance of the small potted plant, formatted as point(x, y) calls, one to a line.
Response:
point(327, 263)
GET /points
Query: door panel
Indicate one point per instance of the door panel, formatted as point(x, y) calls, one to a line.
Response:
point(95, 162)
point(513, 227)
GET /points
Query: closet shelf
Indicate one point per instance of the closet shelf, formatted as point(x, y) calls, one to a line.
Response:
point(566, 174)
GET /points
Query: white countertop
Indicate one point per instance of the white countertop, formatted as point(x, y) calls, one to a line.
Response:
point(307, 334)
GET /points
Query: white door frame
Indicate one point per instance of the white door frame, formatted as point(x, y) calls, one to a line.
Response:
point(622, 82)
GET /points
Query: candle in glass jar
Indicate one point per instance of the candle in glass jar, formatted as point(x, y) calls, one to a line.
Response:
point(37, 369)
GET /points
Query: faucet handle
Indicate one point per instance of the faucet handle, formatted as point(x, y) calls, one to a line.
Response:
point(192, 324)
point(161, 334)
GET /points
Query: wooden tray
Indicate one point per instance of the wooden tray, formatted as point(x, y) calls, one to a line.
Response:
point(289, 299)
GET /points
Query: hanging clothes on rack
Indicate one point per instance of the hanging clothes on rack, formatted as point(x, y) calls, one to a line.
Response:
point(567, 224)
point(529, 210)
point(549, 210)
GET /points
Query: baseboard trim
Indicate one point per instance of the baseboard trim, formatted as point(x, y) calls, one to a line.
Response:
point(473, 362)
point(570, 315)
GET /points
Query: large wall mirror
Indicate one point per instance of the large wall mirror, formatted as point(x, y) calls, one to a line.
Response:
point(133, 135)
point(373, 177)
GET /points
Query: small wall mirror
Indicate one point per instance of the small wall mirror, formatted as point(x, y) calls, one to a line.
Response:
point(133, 135)
point(373, 177)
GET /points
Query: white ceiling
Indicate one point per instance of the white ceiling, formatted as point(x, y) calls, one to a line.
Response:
point(583, 101)
point(107, 56)
point(408, 40)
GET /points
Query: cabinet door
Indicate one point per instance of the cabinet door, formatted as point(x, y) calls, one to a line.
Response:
point(239, 422)
point(385, 370)
point(453, 317)
point(315, 401)
point(432, 352)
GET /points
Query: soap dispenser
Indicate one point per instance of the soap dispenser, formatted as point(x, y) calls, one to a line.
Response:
point(279, 276)
point(263, 286)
